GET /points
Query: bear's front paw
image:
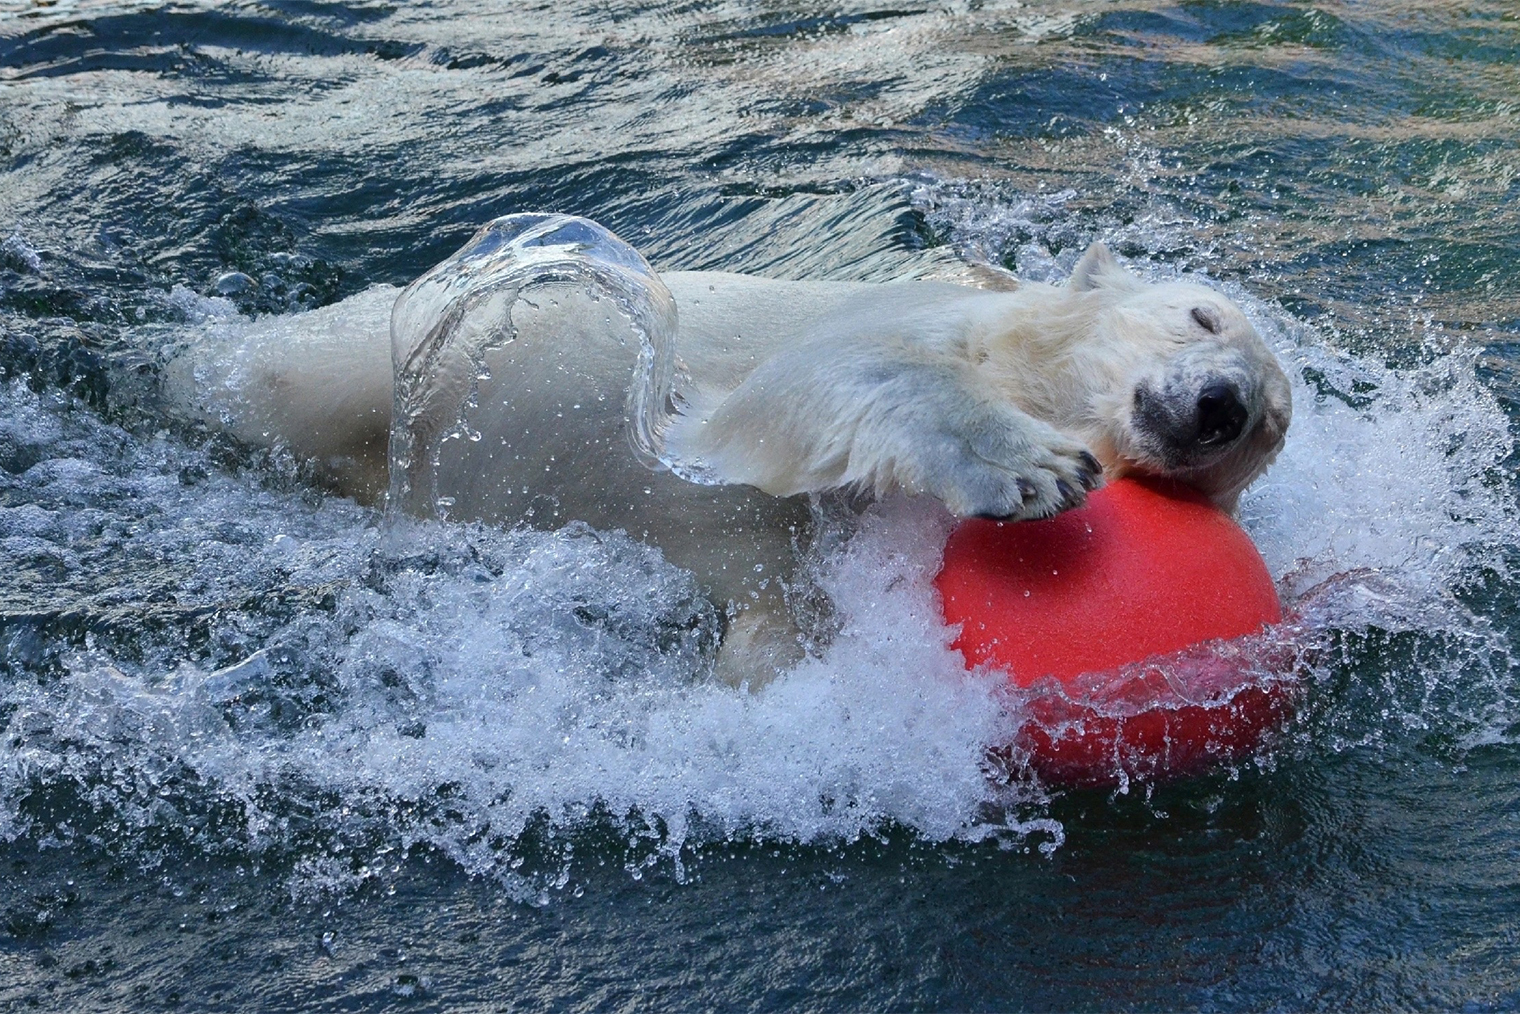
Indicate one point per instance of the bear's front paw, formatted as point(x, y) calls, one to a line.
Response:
point(1008, 466)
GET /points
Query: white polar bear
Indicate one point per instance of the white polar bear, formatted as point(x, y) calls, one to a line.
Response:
point(519, 395)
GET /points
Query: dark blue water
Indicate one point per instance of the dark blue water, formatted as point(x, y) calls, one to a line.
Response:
point(261, 750)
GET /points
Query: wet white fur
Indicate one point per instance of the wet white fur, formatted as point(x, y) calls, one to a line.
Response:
point(956, 392)
point(987, 400)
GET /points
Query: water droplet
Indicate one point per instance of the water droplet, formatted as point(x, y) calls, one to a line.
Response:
point(234, 283)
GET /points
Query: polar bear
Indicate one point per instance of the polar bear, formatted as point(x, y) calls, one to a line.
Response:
point(1005, 404)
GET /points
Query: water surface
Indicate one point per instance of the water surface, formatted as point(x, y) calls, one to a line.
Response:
point(263, 750)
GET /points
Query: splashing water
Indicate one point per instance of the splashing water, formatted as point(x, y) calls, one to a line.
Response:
point(320, 686)
point(446, 322)
point(270, 673)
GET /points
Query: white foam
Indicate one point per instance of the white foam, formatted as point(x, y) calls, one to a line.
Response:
point(485, 680)
point(198, 309)
point(1397, 481)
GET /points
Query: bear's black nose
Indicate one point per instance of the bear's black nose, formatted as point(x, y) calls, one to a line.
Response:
point(1221, 416)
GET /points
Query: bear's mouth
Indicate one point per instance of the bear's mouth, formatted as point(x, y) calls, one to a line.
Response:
point(1179, 430)
point(1211, 448)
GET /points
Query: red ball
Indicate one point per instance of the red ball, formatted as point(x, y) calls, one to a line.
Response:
point(1108, 621)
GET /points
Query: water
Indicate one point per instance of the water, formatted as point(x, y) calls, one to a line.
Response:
point(262, 750)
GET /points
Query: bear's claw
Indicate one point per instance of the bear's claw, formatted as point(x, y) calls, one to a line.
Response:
point(1092, 471)
point(1006, 465)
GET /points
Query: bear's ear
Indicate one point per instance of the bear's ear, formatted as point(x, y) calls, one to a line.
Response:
point(1097, 269)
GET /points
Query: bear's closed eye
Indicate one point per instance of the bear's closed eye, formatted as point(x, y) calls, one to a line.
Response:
point(1207, 319)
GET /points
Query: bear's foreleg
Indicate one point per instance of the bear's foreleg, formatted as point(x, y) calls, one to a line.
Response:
point(882, 417)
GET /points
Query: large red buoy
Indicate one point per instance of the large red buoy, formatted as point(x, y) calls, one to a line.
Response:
point(1112, 622)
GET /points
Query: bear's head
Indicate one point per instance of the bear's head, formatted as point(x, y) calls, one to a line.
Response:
point(1180, 384)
